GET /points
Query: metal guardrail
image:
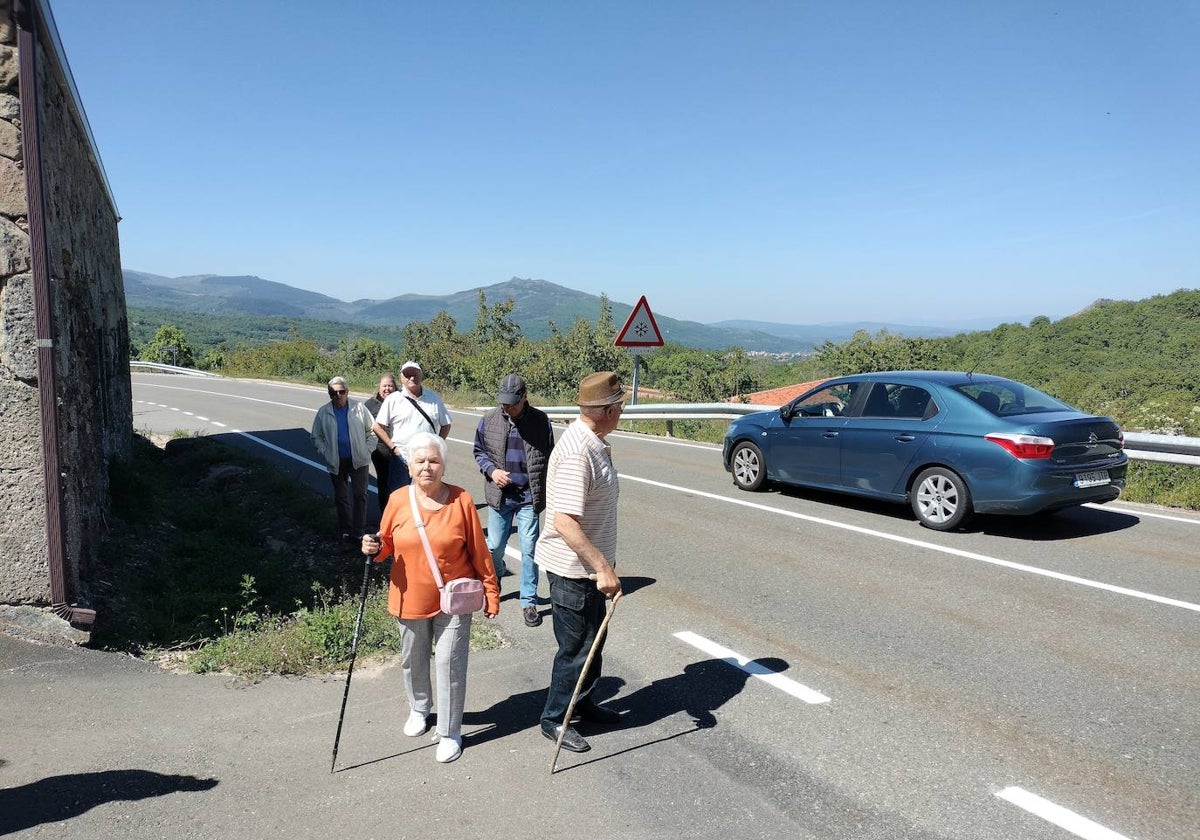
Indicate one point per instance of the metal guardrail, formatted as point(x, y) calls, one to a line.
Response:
point(158, 367)
point(668, 411)
point(1141, 446)
point(1170, 449)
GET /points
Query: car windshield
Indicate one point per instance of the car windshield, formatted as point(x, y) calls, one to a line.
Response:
point(1006, 397)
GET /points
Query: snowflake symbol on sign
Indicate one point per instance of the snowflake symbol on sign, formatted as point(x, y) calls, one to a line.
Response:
point(641, 330)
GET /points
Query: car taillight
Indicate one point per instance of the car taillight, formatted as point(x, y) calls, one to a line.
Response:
point(1025, 447)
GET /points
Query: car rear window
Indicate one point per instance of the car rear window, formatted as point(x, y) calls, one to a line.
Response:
point(1006, 397)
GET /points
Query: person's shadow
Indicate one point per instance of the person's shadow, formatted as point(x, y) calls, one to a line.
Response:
point(700, 690)
point(58, 798)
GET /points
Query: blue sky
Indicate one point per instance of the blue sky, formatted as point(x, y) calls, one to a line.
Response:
point(796, 162)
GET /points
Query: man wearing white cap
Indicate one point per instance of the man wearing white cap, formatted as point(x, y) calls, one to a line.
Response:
point(405, 412)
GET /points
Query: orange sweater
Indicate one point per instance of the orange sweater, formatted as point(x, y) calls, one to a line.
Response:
point(458, 545)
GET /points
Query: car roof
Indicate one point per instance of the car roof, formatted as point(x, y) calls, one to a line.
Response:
point(941, 377)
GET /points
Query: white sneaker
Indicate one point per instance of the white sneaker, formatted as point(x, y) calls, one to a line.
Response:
point(416, 724)
point(448, 749)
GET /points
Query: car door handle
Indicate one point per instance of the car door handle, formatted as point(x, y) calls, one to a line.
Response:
point(906, 438)
point(830, 435)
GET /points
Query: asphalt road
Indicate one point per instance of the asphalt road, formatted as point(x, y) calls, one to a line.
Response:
point(789, 665)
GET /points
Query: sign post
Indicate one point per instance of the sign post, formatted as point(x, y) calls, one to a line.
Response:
point(639, 335)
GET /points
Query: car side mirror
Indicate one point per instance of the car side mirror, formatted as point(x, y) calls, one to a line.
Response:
point(787, 412)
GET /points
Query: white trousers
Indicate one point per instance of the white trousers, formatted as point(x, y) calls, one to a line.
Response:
point(448, 638)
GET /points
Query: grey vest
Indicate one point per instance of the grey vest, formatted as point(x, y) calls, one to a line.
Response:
point(534, 427)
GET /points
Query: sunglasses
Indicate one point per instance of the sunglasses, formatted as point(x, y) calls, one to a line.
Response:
point(336, 393)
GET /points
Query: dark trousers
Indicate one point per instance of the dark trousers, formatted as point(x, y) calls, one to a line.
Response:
point(350, 523)
point(382, 489)
point(578, 608)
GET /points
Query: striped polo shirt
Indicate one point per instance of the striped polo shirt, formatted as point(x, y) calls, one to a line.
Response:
point(581, 481)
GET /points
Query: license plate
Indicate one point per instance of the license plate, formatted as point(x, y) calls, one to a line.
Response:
point(1092, 479)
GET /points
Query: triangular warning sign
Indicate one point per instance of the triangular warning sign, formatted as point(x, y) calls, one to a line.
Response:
point(640, 330)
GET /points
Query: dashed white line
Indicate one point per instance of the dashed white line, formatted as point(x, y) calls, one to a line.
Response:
point(790, 686)
point(1058, 815)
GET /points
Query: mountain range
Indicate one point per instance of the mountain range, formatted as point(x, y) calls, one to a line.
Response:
point(537, 303)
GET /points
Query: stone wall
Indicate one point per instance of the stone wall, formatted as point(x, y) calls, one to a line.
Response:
point(91, 340)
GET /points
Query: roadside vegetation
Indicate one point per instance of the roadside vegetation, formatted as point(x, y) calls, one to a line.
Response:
point(217, 561)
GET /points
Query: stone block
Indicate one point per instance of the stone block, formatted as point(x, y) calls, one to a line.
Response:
point(18, 333)
point(8, 68)
point(23, 577)
point(10, 106)
point(12, 189)
point(14, 245)
point(39, 625)
point(10, 140)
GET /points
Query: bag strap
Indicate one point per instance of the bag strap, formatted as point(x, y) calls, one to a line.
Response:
point(420, 523)
point(417, 406)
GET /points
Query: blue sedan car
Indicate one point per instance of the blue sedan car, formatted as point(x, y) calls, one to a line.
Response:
point(949, 444)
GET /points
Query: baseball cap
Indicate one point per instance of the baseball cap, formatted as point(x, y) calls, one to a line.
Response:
point(512, 388)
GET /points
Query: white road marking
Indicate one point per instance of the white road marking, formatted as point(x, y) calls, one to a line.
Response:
point(790, 686)
point(229, 396)
point(1058, 815)
point(1131, 512)
point(957, 552)
point(290, 454)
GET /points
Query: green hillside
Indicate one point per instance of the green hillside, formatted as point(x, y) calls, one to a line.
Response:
point(1138, 361)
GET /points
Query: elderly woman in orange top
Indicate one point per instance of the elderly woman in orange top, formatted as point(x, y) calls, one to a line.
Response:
point(457, 542)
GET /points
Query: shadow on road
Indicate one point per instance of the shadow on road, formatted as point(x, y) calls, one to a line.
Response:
point(59, 798)
point(1071, 523)
point(700, 690)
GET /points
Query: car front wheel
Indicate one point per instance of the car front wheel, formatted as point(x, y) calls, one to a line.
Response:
point(940, 499)
point(749, 469)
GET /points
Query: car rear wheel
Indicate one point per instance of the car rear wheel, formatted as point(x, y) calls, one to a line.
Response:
point(940, 499)
point(748, 468)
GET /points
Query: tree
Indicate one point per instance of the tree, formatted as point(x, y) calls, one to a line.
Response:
point(170, 347)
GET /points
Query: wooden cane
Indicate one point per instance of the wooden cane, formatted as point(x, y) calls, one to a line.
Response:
point(562, 731)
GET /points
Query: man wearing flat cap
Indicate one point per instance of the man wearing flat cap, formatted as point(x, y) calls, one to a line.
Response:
point(413, 408)
point(578, 550)
point(512, 448)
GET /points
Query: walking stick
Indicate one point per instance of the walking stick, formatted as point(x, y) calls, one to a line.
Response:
point(612, 608)
point(353, 654)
